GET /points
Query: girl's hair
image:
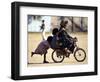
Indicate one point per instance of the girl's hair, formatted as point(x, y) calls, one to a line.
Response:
point(55, 31)
point(49, 39)
point(63, 24)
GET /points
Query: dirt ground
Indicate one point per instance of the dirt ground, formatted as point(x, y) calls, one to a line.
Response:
point(37, 60)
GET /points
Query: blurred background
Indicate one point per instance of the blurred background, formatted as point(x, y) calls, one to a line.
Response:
point(75, 24)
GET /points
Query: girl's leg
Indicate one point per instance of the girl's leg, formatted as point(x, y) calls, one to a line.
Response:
point(45, 58)
point(32, 53)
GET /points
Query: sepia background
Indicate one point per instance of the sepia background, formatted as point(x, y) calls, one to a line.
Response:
point(77, 27)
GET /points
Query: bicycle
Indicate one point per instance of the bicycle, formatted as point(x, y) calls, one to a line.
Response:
point(59, 54)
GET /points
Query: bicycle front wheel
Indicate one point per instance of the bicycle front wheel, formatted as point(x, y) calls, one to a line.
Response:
point(80, 55)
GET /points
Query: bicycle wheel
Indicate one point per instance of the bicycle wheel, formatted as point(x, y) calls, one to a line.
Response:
point(57, 56)
point(80, 55)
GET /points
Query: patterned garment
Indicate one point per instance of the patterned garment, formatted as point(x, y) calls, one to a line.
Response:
point(42, 47)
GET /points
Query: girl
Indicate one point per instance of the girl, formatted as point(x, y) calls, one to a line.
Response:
point(42, 48)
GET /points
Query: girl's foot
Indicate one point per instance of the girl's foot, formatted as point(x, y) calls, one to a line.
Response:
point(45, 62)
point(32, 53)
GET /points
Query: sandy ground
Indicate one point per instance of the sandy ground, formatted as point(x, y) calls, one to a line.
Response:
point(37, 60)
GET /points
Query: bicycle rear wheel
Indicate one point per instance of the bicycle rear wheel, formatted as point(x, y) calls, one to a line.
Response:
point(57, 56)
